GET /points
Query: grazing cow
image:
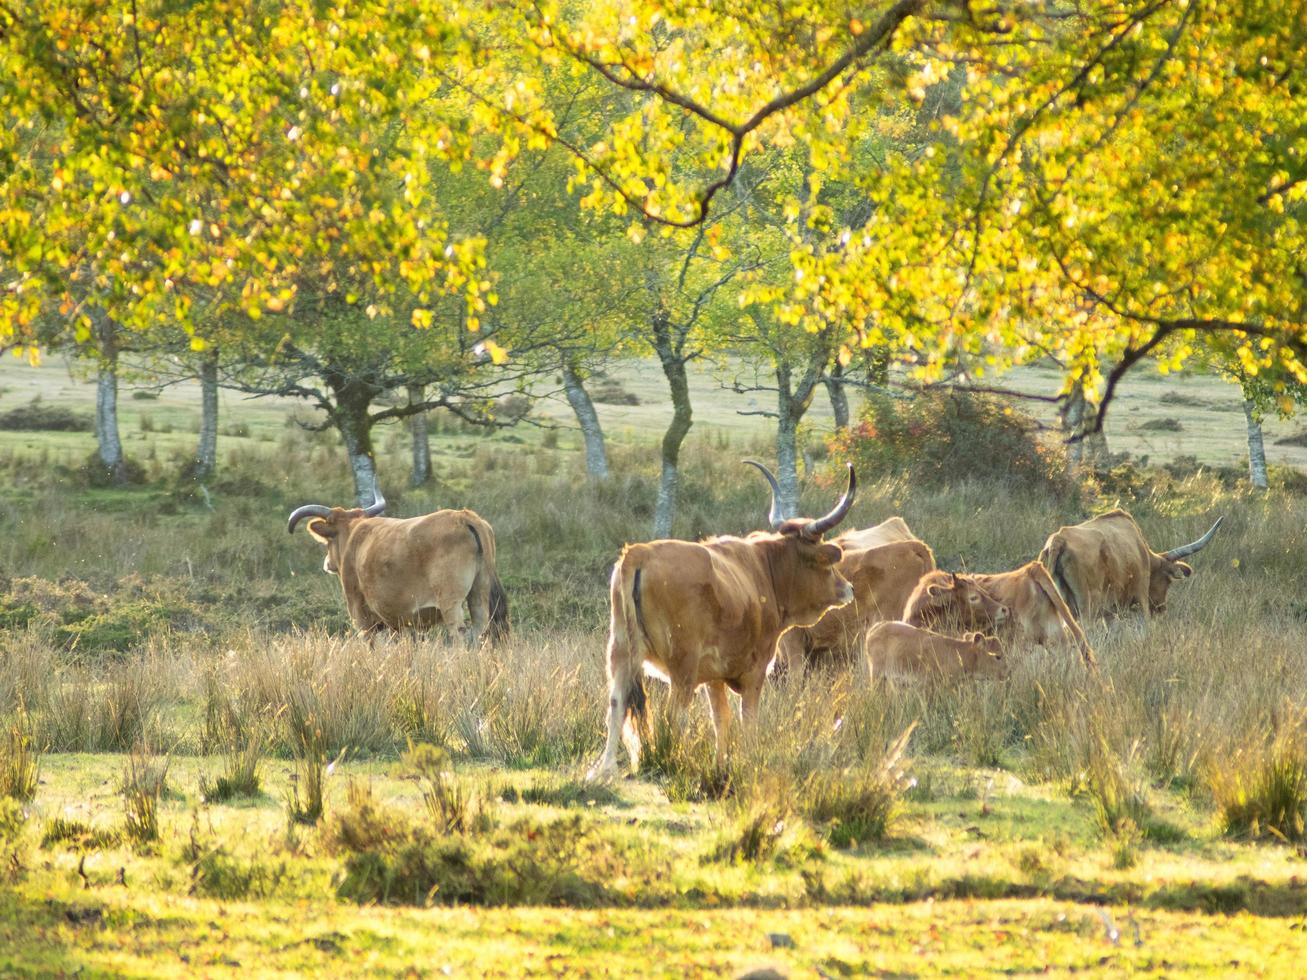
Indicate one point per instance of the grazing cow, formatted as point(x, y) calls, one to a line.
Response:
point(1105, 565)
point(411, 573)
point(710, 613)
point(902, 650)
point(1033, 610)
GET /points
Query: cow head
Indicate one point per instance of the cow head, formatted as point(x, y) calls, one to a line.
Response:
point(1167, 568)
point(990, 652)
point(802, 565)
point(327, 524)
point(948, 599)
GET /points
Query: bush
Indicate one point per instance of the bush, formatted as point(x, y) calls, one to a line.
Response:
point(39, 417)
point(1261, 790)
point(77, 836)
point(937, 439)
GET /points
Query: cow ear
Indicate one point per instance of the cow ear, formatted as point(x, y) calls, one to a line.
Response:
point(973, 637)
point(935, 591)
point(1179, 570)
point(323, 530)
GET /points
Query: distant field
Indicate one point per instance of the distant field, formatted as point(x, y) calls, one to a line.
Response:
point(1208, 410)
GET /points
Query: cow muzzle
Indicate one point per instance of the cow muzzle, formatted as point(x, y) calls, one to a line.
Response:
point(844, 593)
point(1000, 615)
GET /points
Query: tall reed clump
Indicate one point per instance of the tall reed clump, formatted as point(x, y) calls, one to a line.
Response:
point(308, 744)
point(241, 737)
point(1260, 788)
point(19, 761)
point(144, 781)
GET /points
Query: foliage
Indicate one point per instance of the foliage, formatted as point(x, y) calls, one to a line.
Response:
point(939, 438)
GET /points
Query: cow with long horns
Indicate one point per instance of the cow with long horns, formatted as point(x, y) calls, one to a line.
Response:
point(1105, 566)
point(710, 613)
point(881, 563)
point(412, 573)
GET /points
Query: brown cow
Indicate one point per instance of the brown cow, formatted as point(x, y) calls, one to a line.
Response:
point(902, 650)
point(882, 578)
point(888, 531)
point(710, 613)
point(1105, 565)
point(411, 573)
point(882, 563)
point(1033, 609)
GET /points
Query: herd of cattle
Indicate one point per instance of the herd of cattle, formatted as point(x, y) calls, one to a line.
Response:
point(719, 613)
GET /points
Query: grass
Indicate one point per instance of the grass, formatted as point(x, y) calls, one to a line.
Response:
point(1004, 831)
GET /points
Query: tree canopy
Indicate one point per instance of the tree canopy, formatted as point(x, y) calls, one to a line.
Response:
point(1103, 181)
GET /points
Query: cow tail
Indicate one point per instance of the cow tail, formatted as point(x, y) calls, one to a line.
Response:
point(498, 610)
point(626, 650)
point(497, 626)
point(1045, 583)
point(1052, 558)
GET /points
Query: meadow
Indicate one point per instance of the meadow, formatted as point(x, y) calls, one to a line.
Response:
point(203, 771)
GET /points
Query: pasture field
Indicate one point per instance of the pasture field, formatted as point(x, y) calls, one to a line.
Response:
point(161, 649)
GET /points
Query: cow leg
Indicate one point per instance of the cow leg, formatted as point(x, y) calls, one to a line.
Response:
point(452, 617)
point(750, 695)
point(478, 605)
point(719, 701)
point(625, 697)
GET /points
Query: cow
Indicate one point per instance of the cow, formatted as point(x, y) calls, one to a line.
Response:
point(415, 572)
point(1105, 565)
point(710, 613)
point(898, 649)
point(882, 563)
point(888, 531)
point(1031, 609)
point(882, 579)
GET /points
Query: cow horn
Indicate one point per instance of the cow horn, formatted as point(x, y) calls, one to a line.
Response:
point(308, 510)
point(821, 525)
point(1184, 551)
point(378, 503)
point(774, 517)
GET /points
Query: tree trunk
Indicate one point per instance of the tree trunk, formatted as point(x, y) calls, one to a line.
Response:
point(421, 442)
point(596, 456)
point(206, 455)
point(356, 430)
point(673, 363)
point(839, 397)
point(792, 403)
point(1256, 448)
point(107, 438)
point(1084, 446)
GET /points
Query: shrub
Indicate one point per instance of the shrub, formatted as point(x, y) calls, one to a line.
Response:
point(39, 417)
point(939, 438)
point(1261, 789)
point(857, 805)
point(78, 836)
